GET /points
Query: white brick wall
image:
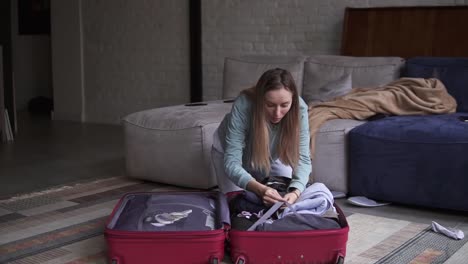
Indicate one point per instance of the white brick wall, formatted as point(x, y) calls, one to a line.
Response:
point(136, 53)
point(276, 27)
point(136, 56)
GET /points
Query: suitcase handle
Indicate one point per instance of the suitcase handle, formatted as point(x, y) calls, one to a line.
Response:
point(266, 215)
point(271, 211)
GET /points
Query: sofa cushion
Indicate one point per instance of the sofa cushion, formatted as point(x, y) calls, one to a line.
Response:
point(334, 89)
point(365, 72)
point(244, 72)
point(453, 72)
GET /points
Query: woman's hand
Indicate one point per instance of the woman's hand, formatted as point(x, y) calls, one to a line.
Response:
point(291, 197)
point(271, 196)
point(268, 195)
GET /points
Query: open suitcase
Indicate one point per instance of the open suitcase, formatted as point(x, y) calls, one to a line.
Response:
point(192, 227)
point(308, 246)
point(170, 227)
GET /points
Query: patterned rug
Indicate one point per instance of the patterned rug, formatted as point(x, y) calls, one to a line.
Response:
point(65, 225)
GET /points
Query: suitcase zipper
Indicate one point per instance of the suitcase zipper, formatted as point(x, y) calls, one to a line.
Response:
point(168, 235)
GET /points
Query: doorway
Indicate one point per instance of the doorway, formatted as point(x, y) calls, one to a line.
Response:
point(7, 96)
point(27, 73)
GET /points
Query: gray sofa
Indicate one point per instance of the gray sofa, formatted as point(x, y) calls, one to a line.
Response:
point(172, 144)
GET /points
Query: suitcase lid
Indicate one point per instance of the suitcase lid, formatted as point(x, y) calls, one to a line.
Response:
point(170, 211)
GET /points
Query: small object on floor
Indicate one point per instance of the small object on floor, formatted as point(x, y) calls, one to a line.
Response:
point(338, 195)
point(452, 233)
point(196, 104)
point(365, 202)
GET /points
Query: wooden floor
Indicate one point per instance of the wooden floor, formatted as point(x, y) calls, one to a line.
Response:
point(49, 153)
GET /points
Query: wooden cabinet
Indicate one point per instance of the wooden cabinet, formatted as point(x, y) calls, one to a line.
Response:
point(406, 31)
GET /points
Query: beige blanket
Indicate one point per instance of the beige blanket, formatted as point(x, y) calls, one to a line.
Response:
point(405, 96)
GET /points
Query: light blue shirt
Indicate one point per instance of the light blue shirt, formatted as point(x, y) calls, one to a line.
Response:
point(235, 134)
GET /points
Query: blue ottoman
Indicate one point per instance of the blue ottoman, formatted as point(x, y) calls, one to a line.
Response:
point(415, 160)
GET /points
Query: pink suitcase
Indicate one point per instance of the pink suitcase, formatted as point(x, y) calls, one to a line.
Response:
point(311, 246)
point(138, 230)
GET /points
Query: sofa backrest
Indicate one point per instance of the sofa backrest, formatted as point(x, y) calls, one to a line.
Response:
point(244, 72)
point(453, 72)
point(331, 70)
point(312, 74)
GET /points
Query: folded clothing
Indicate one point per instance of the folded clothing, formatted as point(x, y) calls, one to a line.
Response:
point(297, 222)
point(250, 202)
point(278, 183)
point(456, 234)
point(242, 223)
point(316, 199)
point(245, 201)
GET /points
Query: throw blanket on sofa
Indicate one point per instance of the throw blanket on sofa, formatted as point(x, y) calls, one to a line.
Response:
point(405, 96)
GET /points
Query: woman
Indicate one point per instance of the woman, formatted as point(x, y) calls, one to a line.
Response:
point(265, 134)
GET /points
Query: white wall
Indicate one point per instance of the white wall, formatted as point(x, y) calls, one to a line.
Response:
point(67, 60)
point(276, 27)
point(135, 54)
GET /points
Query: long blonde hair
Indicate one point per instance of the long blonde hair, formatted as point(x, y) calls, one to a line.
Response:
point(288, 146)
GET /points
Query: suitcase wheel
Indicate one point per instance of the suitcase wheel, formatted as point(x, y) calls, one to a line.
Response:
point(214, 261)
point(340, 260)
point(240, 260)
